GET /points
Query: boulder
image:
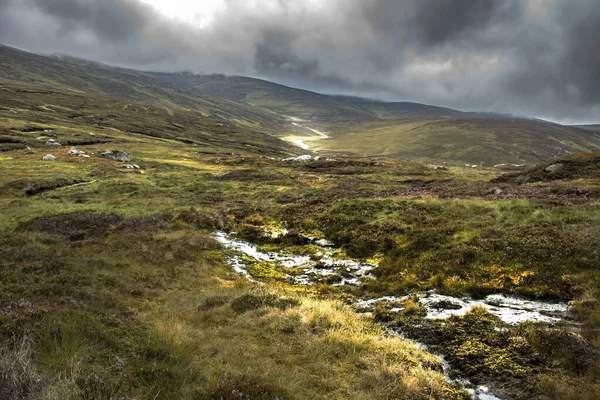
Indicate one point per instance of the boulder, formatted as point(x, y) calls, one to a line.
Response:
point(75, 152)
point(49, 157)
point(554, 167)
point(116, 155)
point(52, 142)
point(304, 158)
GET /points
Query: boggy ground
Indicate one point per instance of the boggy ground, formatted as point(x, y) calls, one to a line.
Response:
point(111, 286)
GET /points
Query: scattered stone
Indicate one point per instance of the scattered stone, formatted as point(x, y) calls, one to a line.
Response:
point(75, 152)
point(304, 158)
point(131, 166)
point(434, 167)
point(554, 167)
point(49, 157)
point(116, 155)
point(509, 166)
point(52, 142)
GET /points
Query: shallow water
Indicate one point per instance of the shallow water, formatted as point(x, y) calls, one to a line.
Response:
point(324, 263)
point(510, 309)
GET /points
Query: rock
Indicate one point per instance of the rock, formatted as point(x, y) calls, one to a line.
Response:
point(495, 191)
point(434, 167)
point(554, 167)
point(75, 152)
point(116, 155)
point(52, 142)
point(304, 158)
point(49, 157)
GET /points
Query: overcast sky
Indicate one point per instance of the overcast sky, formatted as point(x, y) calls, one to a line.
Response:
point(537, 58)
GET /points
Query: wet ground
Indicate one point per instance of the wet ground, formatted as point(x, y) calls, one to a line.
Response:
point(323, 262)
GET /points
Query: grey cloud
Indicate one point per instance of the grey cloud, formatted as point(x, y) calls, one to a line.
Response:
point(528, 57)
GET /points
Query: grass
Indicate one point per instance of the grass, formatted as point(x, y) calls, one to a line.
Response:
point(459, 140)
point(157, 313)
point(122, 269)
point(111, 286)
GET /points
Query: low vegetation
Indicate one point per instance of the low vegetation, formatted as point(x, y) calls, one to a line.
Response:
point(112, 287)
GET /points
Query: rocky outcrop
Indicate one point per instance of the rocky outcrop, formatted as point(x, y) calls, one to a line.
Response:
point(116, 155)
point(78, 153)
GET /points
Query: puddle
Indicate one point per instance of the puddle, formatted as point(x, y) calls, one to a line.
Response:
point(322, 265)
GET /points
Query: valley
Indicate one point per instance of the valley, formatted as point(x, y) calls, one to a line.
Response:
point(212, 237)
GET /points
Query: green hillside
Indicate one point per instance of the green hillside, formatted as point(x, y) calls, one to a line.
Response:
point(356, 126)
point(93, 78)
point(402, 130)
point(486, 141)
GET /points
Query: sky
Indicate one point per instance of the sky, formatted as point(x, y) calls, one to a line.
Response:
point(536, 58)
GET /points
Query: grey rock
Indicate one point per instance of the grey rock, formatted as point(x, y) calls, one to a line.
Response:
point(49, 157)
point(116, 155)
point(75, 152)
point(131, 166)
point(304, 158)
point(554, 167)
point(495, 191)
point(52, 142)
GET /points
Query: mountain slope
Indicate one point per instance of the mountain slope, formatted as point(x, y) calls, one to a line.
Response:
point(595, 127)
point(251, 106)
point(401, 129)
point(470, 140)
point(94, 78)
point(309, 106)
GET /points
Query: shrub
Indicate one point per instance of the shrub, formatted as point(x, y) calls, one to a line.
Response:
point(78, 225)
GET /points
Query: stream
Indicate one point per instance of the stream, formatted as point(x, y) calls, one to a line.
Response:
point(323, 262)
point(300, 142)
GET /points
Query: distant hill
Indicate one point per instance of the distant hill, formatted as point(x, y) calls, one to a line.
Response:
point(402, 129)
point(207, 107)
point(94, 78)
point(595, 127)
point(71, 97)
point(486, 141)
point(303, 104)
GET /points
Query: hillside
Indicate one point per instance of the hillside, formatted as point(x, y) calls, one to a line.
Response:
point(589, 127)
point(582, 166)
point(486, 141)
point(93, 78)
point(318, 109)
point(402, 130)
point(353, 125)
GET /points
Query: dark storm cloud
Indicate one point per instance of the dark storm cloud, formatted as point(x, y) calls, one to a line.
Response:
point(528, 57)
